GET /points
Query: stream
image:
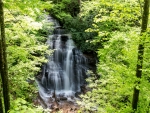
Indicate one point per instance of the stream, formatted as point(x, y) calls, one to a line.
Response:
point(63, 76)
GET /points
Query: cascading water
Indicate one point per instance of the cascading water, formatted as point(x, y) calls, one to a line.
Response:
point(65, 71)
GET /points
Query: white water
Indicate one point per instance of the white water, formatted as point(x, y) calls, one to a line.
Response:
point(66, 69)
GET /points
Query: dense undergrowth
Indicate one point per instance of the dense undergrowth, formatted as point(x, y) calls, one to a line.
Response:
point(25, 23)
point(112, 29)
point(118, 26)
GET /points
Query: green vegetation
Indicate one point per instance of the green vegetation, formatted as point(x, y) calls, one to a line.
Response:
point(111, 28)
point(118, 28)
point(98, 20)
point(64, 9)
point(26, 50)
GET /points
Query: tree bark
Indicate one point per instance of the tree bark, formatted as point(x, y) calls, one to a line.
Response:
point(3, 60)
point(140, 53)
point(1, 105)
point(79, 1)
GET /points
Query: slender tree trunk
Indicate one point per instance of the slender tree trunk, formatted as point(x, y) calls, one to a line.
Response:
point(3, 60)
point(79, 1)
point(140, 53)
point(1, 105)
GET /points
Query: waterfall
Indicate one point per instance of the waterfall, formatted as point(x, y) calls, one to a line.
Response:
point(65, 71)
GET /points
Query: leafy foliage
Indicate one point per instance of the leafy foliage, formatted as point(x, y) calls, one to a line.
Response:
point(113, 16)
point(79, 24)
point(22, 106)
point(95, 23)
point(110, 27)
point(113, 91)
point(118, 29)
point(64, 9)
point(26, 49)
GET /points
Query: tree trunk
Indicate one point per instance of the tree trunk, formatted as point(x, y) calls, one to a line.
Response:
point(3, 60)
point(79, 1)
point(1, 95)
point(140, 53)
point(1, 105)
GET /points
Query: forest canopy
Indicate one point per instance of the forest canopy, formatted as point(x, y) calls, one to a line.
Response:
point(111, 29)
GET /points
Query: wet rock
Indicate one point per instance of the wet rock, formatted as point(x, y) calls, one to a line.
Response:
point(63, 98)
point(50, 99)
point(59, 31)
point(74, 51)
point(92, 60)
point(77, 94)
point(54, 105)
point(61, 95)
point(64, 38)
point(58, 99)
point(39, 77)
point(83, 89)
point(72, 97)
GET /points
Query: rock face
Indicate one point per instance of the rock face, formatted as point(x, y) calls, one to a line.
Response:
point(60, 104)
point(62, 79)
point(92, 60)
